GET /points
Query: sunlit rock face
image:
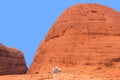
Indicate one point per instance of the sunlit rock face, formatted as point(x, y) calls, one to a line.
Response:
point(11, 61)
point(84, 35)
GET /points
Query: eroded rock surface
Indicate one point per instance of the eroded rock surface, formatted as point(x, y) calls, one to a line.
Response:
point(84, 35)
point(11, 61)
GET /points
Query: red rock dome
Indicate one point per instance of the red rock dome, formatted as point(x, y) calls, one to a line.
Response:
point(11, 61)
point(85, 34)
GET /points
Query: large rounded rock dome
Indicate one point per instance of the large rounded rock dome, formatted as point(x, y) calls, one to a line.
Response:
point(85, 34)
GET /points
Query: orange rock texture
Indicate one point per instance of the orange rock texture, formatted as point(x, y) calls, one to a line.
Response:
point(11, 61)
point(84, 35)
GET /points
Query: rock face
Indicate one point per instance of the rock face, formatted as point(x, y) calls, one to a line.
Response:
point(84, 35)
point(11, 61)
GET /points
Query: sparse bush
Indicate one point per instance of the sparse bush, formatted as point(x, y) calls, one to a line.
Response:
point(108, 64)
point(36, 72)
point(88, 63)
point(116, 59)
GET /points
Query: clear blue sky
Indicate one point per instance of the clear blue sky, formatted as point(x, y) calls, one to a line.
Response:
point(24, 23)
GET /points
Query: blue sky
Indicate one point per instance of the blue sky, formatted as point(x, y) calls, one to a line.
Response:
point(24, 23)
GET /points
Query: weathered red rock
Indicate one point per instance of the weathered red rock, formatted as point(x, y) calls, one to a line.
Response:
point(85, 34)
point(11, 61)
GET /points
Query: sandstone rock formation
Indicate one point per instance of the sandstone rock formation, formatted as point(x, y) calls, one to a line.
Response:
point(11, 61)
point(84, 35)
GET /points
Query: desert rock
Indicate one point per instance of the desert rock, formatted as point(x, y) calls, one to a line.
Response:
point(84, 35)
point(11, 61)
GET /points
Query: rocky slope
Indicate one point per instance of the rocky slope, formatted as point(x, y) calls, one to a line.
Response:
point(84, 35)
point(11, 61)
